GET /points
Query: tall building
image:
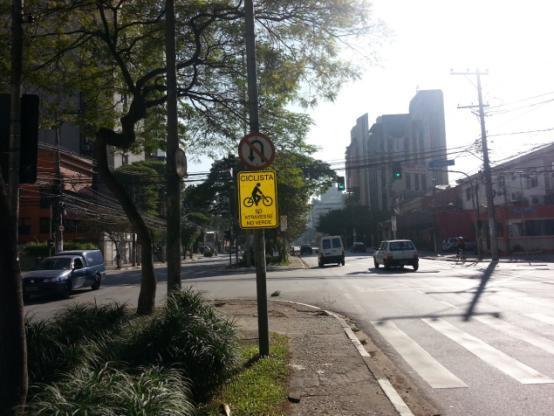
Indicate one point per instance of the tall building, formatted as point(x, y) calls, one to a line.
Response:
point(388, 162)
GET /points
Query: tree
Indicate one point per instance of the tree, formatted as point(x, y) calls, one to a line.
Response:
point(116, 45)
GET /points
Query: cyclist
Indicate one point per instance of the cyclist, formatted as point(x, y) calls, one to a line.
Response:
point(460, 247)
point(257, 194)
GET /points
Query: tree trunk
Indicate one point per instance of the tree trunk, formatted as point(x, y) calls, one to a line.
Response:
point(13, 350)
point(147, 296)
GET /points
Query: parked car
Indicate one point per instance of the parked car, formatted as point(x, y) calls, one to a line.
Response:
point(62, 273)
point(331, 250)
point(305, 250)
point(396, 253)
point(358, 247)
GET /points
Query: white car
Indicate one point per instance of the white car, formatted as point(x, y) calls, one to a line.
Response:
point(396, 253)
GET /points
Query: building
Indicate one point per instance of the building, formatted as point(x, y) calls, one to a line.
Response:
point(523, 190)
point(40, 202)
point(388, 163)
point(332, 199)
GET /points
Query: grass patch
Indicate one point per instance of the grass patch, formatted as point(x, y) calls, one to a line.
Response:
point(260, 388)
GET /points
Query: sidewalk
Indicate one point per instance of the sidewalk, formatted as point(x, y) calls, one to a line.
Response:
point(334, 369)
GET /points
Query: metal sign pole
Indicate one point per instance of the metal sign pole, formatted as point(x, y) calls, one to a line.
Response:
point(261, 291)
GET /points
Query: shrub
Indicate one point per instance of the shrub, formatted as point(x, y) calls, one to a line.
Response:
point(59, 345)
point(110, 391)
point(187, 334)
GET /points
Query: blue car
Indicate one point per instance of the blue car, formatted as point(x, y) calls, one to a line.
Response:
point(62, 273)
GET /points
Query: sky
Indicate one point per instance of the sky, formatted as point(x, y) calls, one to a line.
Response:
point(510, 39)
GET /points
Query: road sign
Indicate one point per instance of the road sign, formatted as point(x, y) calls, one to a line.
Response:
point(257, 194)
point(256, 151)
point(439, 163)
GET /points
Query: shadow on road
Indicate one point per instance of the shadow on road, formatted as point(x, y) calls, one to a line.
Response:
point(487, 273)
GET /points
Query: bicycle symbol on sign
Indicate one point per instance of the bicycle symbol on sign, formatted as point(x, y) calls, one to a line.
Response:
point(257, 196)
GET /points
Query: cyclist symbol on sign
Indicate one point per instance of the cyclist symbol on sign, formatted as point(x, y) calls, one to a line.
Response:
point(257, 196)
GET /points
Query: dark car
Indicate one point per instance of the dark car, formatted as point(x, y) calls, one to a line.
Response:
point(306, 250)
point(358, 247)
point(62, 273)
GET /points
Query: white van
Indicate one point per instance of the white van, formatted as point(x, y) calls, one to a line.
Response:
point(331, 250)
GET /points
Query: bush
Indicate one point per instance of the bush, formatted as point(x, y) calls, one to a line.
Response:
point(89, 348)
point(59, 345)
point(110, 391)
point(188, 334)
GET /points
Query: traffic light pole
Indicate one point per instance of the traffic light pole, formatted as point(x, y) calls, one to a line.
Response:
point(13, 351)
point(259, 238)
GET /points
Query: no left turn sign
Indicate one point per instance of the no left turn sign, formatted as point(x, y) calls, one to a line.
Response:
point(256, 151)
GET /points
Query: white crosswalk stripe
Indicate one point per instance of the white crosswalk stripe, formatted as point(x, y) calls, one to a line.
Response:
point(519, 333)
point(433, 372)
point(492, 356)
point(542, 318)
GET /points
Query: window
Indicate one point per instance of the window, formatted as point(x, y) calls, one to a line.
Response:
point(531, 179)
point(468, 193)
point(416, 181)
point(408, 182)
point(326, 244)
point(401, 245)
point(501, 182)
point(423, 182)
point(77, 264)
point(44, 225)
point(337, 243)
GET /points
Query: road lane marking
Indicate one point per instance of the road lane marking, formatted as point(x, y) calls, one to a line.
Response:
point(520, 333)
point(433, 372)
point(495, 358)
point(542, 318)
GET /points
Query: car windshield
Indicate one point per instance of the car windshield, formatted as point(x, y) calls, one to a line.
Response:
point(326, 244)
point(336, 243)
point(401, 245)
point(61, 263)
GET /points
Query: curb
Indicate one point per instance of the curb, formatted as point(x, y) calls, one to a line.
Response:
point(388, 389)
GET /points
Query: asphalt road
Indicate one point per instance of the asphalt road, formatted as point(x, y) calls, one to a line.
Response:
point(478, 339)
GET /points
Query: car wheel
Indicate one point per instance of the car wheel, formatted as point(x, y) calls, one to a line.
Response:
point(375, 263)
point(320, 263)
point(415, 266)
point(342, 261)
point(97, 282)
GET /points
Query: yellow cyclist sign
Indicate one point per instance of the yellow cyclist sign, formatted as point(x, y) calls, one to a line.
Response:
point(258, 199)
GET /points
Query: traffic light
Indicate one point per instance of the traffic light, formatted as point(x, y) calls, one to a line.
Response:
point(396, 170)
point(340, 183)
point(5, 134)
point(29, 137)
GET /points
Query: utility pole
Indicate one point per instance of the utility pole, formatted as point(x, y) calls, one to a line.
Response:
point(173, 180)
point(59, 198)
point(486, 164)
point(259, 239)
